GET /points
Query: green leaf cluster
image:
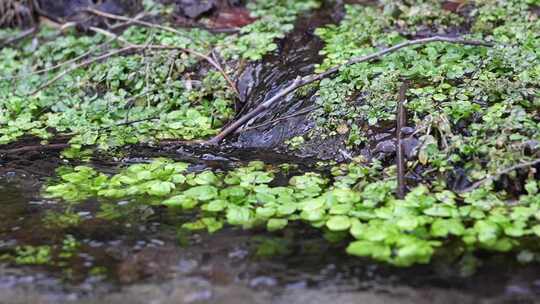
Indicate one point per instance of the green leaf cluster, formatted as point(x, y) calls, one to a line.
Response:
point(471, 107)
point(274, 19)
point(357, 200)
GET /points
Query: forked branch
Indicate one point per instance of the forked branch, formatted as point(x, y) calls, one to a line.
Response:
point(136, 47)
point(303, 81)
point(499, 174)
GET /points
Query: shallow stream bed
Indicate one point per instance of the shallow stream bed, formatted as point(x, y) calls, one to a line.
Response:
point(142, 257)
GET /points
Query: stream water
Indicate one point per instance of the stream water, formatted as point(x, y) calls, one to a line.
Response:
point(140, 255)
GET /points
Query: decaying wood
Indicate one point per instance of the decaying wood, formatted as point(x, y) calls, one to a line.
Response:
point(35, 148)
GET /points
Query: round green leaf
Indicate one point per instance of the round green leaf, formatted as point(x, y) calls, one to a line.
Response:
point(338, 223)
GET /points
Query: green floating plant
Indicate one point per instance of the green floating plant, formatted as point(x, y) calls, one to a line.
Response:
point(356, 200)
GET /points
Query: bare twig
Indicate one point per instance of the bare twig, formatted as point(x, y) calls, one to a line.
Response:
point(200, 55)
point(128, 23)
point(130, 102)
point(401, 121)
point(106, 33)
point(209, 59)
point(137, 21)
point(299, 113)
point(302, 81)
point(59, 65)
point(130, 46)
point(127, 123)
point(19, 37)
point(80, 65)
point(499, 174)
point(219, 67)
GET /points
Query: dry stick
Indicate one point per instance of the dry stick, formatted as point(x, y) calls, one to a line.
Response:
point(129, 122)
point(200, 55)
point(80, 65)
point(21, 36)
point(169, 29)
point(127, 23)
point(302, 112)
point(137, 46)
point(401, 121)
point(54, 67)
point(106, 33)
point(500, 173)
point(302, 81)
point(136, 21)
point(130, 47)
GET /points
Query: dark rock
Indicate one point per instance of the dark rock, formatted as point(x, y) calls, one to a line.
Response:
point(410, 147)
point(407, 130)
point(194, 9)
point(385, 147)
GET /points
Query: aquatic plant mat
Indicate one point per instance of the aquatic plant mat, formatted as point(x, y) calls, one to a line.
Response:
point(390, 133)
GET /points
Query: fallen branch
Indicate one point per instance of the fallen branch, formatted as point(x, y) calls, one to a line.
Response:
point(80, 65)
point(59, 65)
point(128, 23)
point(499, 174)
point(137, 21)
point(401, 121)
point(19, 37)
point(36, 148)
point(203, 56)
point(130, 122)
point(299, 113)
point(303, 81)
point(106, 33)
point(130, 47)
